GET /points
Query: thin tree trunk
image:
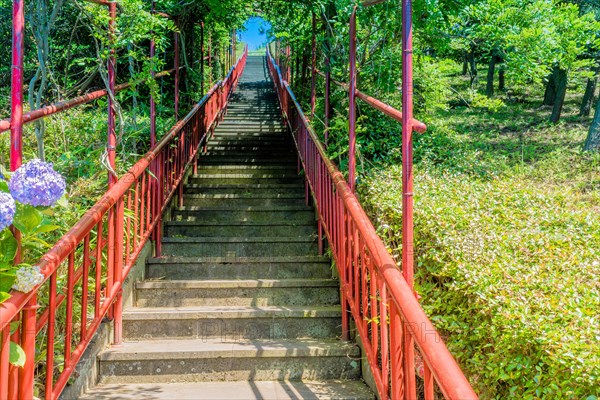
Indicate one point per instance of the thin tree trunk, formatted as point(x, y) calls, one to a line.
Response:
point(472, 65)
point(592, 142)
point(502, 77)
point(588, 96)
point(489, 88)
point(550, 92)
point(561, 90)
point(303, 78)
point(465, 64)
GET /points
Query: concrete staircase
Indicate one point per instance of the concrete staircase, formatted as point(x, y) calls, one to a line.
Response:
point(240, 306)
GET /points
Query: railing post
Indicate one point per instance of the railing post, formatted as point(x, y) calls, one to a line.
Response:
point(176, 66)
point(288, 64)
point(118, 273)
point(111, 149)
point(352, 104)
point(202, 57)
point(407, 184)
point(313, 69)
point(22, 386)
point(152, 101)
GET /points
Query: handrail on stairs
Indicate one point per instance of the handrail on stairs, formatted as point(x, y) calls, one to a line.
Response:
point(85, 270)
point(383, 307)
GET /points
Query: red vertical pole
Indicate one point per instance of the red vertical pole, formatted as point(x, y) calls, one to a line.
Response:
point(26, 374)
point(313, 71)
point(327, 97)
point(352, 104)
point(288, 64)
point(176, 66)
point(111, 148)
point(152, 101)
point(16, 124)
point(210, 63)
point(202, 56)
point(112, 66)
point(407, 184)
point(234, 49)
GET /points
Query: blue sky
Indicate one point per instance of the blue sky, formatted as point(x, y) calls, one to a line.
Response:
point(254, 33)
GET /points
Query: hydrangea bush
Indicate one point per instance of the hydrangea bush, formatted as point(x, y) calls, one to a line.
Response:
point(31, 188)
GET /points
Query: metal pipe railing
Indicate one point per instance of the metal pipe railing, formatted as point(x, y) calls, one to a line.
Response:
point(85, 250)
point(76, 101)
point(388, 110)
point(383, 306)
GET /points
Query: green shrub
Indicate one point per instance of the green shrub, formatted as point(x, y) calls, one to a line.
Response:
point(508, 270)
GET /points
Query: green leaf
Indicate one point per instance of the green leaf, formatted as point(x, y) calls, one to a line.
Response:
point(46, 227)
point(4, 296)
point(4, 187)
point(16, 355)
point(27, 218)
point(6, 280)
point(8, 246)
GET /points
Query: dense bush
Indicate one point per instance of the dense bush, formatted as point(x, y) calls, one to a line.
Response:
point(507, 262)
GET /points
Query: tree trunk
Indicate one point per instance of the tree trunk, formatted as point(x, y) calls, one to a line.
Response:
point(489, 87)
point(550, 93)
point(588, 96)
point(592, 142)
point(559, 101)
point(465, 64)
point(473, 66)
point(501, 76)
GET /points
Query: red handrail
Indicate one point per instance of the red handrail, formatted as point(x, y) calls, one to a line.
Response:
point(97, 264)
point(65, 105)
point(373, 289)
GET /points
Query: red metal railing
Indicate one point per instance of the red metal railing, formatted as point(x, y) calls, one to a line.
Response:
point(86, 269)
point(386, 313)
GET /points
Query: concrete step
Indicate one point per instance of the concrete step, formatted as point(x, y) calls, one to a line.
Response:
point(245, 148)
point(241, 168)
point(296, 214)
point(261, 229)
point(238, 390)
point(216, 360)
point(306, 266)
point(247, 201)
point(288, 173)
point(245, 190)
point(239, 246)
point(231, 322)
point(244, 179)
point(249, 292)
point(231, 159)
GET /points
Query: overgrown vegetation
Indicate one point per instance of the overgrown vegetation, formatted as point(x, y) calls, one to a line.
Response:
point(506, 201)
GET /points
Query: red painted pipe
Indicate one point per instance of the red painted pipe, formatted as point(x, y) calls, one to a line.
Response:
point(112, 70)
point(410, 386)
point(176, 64)
point(152, 101)
point(77, 101)
point(202, 57)
point(352, 104)
point(388, 110)
point(16, 128)
point(313, 66)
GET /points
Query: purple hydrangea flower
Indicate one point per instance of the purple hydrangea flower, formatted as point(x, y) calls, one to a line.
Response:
point(7, 210)
point(37, 183)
